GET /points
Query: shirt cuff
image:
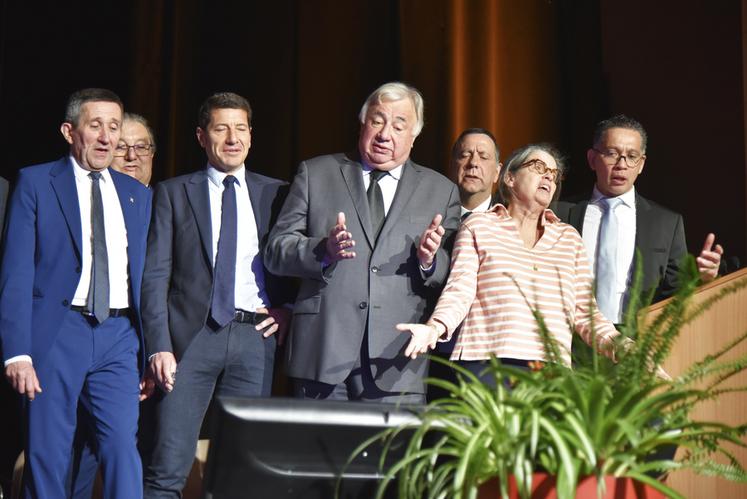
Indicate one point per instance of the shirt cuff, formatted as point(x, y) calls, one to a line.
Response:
point(430, 269)
point(18, 358)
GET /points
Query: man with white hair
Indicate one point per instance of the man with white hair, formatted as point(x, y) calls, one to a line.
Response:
point(366, 236)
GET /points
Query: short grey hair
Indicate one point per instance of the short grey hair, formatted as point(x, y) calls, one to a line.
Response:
point(519, 157)
point(395, 91)
point(136, 118)
point(77, 99)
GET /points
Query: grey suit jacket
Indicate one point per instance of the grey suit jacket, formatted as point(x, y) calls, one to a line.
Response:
point(659, 236)
point(380, 287)
point(178, 280)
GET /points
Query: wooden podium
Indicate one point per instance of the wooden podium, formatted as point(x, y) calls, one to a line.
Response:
point(726, 320)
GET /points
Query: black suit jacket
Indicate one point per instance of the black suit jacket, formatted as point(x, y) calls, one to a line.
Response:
point(178, 281)
point(659, 236)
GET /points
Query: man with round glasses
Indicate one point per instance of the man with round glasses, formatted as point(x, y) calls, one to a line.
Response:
point(134, 153)
point(617, 220)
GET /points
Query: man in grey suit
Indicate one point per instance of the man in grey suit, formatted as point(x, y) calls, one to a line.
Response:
point(618, 156)
point(366, 235)
point(210, 309)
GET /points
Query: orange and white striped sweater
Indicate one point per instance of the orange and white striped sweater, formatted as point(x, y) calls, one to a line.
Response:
point(495, 281)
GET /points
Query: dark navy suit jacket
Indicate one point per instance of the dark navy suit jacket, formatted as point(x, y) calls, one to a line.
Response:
point(42, 256)
point(179, 271)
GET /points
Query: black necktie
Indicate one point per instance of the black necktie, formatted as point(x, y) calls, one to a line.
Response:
point(223, 304)
point(98, 290)
point(466, 214)
point(375, 201)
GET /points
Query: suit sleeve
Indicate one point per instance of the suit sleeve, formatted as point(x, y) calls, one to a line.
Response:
point(17, 273)
point(290, 250)
point(677, 252)
point(157, 275)
point(450, 222)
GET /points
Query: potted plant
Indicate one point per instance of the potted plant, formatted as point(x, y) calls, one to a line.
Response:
point(583, 424)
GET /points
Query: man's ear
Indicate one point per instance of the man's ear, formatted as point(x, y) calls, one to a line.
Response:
point(200, 133)
point(66, 129)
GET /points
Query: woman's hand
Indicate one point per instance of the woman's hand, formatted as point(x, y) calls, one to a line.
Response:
point(424, 338)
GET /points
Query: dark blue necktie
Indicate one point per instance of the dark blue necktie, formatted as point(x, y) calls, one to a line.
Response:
point(98, 289)
point(222, 309)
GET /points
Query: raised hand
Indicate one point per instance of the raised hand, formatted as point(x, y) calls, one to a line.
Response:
point(340, 242)
point(430, 241)
point(709, 259)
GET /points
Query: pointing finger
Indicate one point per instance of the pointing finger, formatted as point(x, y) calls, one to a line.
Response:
point(436, 221)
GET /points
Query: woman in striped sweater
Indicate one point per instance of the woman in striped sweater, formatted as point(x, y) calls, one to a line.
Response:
point(508, 261)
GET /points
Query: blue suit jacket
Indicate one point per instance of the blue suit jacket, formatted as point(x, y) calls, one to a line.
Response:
point(42, 256)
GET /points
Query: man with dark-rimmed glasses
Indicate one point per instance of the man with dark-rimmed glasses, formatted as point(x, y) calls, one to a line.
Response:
point(617, 220)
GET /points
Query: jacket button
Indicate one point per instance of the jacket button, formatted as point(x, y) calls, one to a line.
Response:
point(65, 303)
point(374, 269)
point(362, 305)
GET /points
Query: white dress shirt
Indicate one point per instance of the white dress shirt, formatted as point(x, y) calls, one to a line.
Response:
point(387, 183)
point(626, 228)
point(249, 290)
point(116, 242)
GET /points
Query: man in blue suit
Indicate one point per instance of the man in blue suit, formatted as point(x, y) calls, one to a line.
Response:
point(69, 301)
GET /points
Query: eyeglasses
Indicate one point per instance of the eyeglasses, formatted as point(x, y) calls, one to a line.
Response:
point(140, 149)
point(612, 156)
point(540, 167)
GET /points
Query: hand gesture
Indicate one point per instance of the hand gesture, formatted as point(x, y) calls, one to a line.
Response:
point(339, 242)
point(162, 369)
point(709, 259)
point(430, 241)
point(278, 322)
point(424, 338)
point(22, 377)
point(147, 386)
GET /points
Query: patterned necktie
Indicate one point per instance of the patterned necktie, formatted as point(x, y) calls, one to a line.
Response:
point(98, 289)
point(222, 308)
point(375, 201)
point(607, 260)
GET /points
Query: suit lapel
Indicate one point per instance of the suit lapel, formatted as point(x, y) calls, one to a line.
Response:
point(63, 183)
point(576, 215)
point(199, 201)
point(258, 198)
point(130, 204)
point(406, 186)
point(351, 172)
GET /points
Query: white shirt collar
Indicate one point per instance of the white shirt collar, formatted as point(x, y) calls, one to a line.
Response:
point(480, 208)
point(396, 173)
point(216, 176)
point(82, 174)
point(628, 198)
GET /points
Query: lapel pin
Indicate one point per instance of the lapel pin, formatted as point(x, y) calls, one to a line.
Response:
point(132, 199)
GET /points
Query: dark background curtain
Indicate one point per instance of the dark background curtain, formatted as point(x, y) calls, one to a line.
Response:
point(529, 70)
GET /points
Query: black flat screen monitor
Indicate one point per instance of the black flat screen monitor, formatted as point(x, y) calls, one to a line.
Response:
point(288, 448)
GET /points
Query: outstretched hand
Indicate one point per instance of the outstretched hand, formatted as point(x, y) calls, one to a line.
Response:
point(423, 338)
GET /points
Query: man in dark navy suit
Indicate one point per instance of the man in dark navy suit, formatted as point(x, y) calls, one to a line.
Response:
point(69, 301)
point(211, 311)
